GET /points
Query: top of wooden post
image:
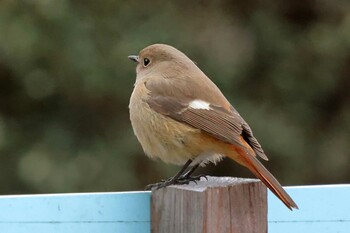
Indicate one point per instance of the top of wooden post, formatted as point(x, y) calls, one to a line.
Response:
point(214, 182)
point(219, 204)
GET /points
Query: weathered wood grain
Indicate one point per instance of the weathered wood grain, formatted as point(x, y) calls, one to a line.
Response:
point(219, 205)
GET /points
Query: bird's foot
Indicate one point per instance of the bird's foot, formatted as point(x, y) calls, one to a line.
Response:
point(161, 184)
point(185, 179)
point(172, 181)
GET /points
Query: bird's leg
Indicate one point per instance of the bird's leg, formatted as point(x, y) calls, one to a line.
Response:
point(187, 177)
point(171, 180)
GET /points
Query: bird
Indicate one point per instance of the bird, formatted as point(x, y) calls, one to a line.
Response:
point(181, 117)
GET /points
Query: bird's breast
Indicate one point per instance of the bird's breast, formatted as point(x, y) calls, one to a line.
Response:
point(160, 136)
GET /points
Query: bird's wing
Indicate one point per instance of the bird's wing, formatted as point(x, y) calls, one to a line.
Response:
point(223, 124)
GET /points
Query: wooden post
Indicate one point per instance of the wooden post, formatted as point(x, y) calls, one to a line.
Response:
point(219, 205)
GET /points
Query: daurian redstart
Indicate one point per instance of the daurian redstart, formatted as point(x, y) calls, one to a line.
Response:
point(180, 116)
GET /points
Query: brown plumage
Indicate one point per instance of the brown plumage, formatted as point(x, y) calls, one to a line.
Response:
point(178, 114)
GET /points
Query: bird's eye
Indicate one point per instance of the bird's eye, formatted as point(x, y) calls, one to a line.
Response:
point(146, 62)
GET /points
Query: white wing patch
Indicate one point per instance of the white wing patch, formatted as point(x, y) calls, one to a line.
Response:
point(199, 104)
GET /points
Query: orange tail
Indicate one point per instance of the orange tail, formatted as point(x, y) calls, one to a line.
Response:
point(254, 165)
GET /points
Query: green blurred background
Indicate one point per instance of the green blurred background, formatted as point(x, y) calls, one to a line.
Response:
point(65, 83)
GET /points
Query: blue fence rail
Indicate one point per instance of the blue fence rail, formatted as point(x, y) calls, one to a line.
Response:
point(322, 209)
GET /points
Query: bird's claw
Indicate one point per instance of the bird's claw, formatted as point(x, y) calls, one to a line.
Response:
point(162, 184)
point(171, 181)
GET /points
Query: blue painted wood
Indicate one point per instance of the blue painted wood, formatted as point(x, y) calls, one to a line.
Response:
point(324, 208)
point(79, 227)
point(127, 212)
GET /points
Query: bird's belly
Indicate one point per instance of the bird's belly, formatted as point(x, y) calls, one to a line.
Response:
point(162, 137)
point(169, 140)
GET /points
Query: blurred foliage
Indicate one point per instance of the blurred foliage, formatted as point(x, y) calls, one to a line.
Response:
point(65, 83)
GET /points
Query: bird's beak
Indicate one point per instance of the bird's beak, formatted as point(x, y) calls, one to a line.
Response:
point(134, 58)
